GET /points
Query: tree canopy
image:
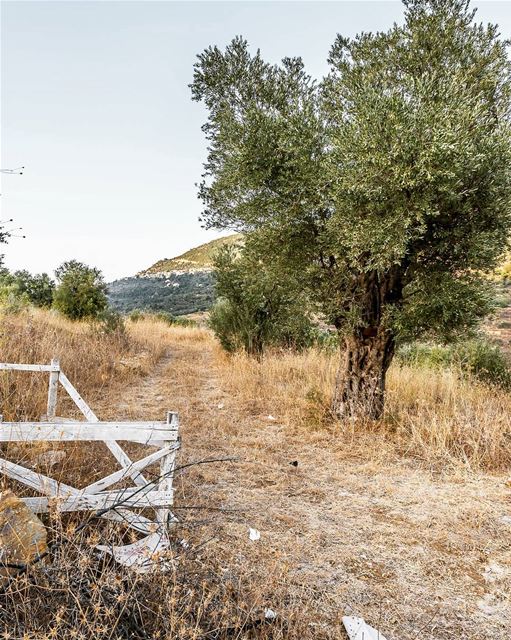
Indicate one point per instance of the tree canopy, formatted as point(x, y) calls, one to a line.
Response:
point(81, 291)
point(384, 189)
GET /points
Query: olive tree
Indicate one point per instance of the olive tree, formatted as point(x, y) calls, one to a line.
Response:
point(384, 189)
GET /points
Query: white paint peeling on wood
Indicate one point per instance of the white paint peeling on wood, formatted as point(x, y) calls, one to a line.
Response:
point(6, 366)
point(142, 556)
point(141, 432)
point(358, 629)
point(89, 502)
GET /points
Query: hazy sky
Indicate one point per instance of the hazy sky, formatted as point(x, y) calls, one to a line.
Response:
point(96, 105)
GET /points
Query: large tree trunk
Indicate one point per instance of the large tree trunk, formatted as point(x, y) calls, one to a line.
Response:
point(360, 384)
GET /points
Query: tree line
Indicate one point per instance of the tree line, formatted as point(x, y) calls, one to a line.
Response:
point(78, 291)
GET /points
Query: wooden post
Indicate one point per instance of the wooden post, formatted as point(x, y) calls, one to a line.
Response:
point(52, 390)
point(165, 516)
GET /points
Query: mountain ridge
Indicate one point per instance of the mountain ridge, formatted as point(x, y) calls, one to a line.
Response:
point(180, 286)
point(198, 258)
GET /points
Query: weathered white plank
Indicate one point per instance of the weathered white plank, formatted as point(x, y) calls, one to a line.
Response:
point(37, 481)
point(143, 555)
point(167, 471)
point(88, 502)
point(358, 629)
point(51, 487)
point(77, 398)
point(52, 391)
point(141, 432)
point(7, 366)
point(134, 520)
point(119, 475)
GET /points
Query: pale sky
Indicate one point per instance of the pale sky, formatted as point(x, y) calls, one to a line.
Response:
point(95, 103)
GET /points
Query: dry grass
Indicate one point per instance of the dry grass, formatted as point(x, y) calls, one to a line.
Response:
point(405, 522)
point(94, 361)
point(431, 415)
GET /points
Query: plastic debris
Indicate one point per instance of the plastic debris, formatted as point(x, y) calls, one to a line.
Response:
point(272, 418)
point(269, 614)
point(358, 629)
point(254, 534)
point(221, 405)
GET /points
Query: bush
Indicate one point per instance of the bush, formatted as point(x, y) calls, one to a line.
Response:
point(81, 292)
point(479, 358)
point(257, 307)
point(109, 322)
point(136, 315)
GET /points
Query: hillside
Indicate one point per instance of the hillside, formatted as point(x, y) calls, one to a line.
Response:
point(179, 285)
point(198, 259)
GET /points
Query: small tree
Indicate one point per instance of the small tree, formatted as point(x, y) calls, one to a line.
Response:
point(384, 189)
point(256, 308)
point(81, 291)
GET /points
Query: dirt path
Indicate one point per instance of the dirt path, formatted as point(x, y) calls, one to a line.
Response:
point(416, 554)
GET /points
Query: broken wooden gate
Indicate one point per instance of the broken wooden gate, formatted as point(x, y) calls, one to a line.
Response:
point(99, 496)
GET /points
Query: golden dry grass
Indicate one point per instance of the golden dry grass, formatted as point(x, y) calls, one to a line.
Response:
point(94, 361)
point(434, 416)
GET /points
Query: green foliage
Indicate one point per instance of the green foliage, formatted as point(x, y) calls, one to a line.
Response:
point(479, 358)
point(35, 289)
point(136, 315)
point(171, 320)
point(163, 316)
point(38, 288)
point(110, 323)
point(81, 292)
point(384, 190)
point(178, 294)
point(256, 308)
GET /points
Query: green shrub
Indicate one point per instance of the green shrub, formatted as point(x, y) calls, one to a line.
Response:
point(136, 315)
point(81, 292)
point(258, 306)
point(479, 358)
point(110, 323)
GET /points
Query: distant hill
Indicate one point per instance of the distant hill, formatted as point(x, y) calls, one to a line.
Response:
point(180, 285)
point(198, 259)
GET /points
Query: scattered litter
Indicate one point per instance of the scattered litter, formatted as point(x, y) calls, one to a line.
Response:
point(294, 463)
point(269, 614)
point(254, 534)
point(271, 418)
point(185, 544)
point(358, 629)
point(50, 458)
point(221, 405)
point(494, 572)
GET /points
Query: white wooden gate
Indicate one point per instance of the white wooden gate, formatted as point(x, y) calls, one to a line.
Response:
point(99, 496)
